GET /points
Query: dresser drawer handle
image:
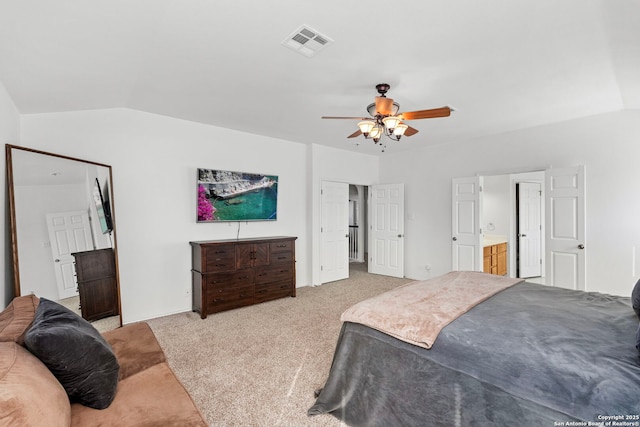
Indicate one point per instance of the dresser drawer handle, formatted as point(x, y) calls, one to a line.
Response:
point(218, 300)
point(282, 257)
point(283, 245)
point(243, 277)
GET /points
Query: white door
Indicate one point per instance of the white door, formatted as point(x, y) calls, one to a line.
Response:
point(565, 227)
point(69, 232)
point(334, 231)
point(466, 234)
point(386, 240)
point(529, 229)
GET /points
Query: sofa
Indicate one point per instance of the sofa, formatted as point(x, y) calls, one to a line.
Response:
point(135, 386)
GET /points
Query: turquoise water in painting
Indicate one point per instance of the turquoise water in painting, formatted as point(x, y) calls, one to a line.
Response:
point(259, 204)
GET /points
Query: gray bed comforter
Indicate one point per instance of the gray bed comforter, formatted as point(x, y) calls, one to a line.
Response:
point(531, 355)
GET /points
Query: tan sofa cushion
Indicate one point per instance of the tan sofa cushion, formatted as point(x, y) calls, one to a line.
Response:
point(153, 397)
point(136, 348)
point(17, 317)
point(29, 394)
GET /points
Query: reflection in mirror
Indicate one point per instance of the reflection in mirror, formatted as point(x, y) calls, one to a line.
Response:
point(63, 232)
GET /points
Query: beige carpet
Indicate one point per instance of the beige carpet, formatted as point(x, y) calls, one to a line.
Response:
point(259, 365)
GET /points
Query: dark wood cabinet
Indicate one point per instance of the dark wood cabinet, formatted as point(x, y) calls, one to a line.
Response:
point(229, 274)
point(97, 283)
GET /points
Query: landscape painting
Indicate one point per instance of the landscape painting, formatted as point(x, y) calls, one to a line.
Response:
point(236, 196)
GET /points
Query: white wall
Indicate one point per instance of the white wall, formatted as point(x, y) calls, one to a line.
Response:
point(608, 145)
point(154, 160)
point(9, 134)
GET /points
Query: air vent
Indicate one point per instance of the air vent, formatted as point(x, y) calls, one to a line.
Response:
point(306, 41)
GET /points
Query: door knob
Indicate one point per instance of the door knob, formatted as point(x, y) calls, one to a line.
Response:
point(580, 246)
point(399, 235)
point(454, 239)
point(56, 260)
point(523, 235)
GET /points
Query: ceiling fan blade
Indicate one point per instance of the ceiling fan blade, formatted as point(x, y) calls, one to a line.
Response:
point(348, 118)
point(426, 114)
point(410, 131)
point(384, 105)
point(356, 133)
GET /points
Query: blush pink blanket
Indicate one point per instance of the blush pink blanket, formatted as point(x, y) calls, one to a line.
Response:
point(417, 312)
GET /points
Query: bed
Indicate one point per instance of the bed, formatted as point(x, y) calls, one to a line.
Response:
point(527, 354)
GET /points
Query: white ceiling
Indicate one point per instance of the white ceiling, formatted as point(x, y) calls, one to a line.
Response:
point(503, 64)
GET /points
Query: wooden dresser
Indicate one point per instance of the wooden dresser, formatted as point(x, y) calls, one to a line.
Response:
point(228, 274)
point(495, 259)
point(97, 283)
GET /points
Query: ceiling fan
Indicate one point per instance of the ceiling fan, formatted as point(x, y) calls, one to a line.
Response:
point(385, 119)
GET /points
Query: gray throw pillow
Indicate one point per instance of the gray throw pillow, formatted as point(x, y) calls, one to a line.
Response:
point(635, 298)
point(75, 353)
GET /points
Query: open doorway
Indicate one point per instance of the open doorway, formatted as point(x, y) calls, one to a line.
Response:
point(358, 208)
point(563, 225)
point(513, 213)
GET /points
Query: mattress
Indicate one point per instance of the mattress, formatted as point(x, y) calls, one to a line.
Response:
point(529, 355)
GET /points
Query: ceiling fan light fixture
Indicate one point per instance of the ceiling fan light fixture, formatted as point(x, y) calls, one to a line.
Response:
point(366, 126)
point(376, 132)
point(386, 121)
point(399, 130)
point(390, 123)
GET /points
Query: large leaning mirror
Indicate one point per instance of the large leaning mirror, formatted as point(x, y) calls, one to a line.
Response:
point(63, 232)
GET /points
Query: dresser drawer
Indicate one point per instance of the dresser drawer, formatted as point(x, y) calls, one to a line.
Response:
point(220, 258)
point(280, 257)
point(269, 291)
point(284, 246)
point(225, 299)
point(229, 280)
point(274, 273)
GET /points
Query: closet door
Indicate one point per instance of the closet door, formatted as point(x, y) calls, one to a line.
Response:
point(386, 253)
point(466, 235)
point(565, 227)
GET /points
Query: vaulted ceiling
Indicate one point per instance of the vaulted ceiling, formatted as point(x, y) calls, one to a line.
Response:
point(504, 65)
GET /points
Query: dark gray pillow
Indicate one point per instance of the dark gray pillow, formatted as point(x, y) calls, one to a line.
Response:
point(638, 338)
point(635, 298)
point(75, 352)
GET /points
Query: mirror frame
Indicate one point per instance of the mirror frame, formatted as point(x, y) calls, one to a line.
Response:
point(12, 214)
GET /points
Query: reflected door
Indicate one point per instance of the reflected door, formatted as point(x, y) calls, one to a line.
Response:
point(69, 232)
